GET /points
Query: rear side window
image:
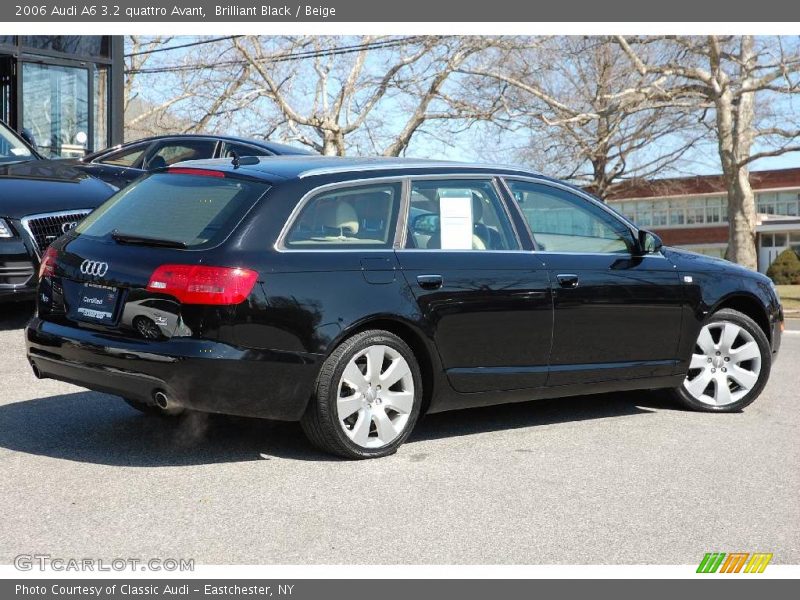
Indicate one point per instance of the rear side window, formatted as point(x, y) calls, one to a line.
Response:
point(199, 211)
point(169, 153)
point(351, 217)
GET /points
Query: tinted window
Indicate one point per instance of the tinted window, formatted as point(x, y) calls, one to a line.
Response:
point(354, 217)
point(128, 157)
point(197, 210)
point(169, 153)
point(563, 222)
point(242, 150)
point(458, 215)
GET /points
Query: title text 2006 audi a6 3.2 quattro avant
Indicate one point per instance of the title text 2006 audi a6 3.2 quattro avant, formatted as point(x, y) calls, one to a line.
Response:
point(356, 294)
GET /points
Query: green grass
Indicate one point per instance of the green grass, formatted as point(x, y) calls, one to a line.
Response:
point(790, 296)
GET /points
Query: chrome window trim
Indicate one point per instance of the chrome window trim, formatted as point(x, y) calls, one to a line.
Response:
point(26, 220)
point(583, 195)
point(280, 245)
point(389, 166)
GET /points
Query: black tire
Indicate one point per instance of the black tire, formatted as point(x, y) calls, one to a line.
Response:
point(745, 322)
point(153, 409)
point(320, 421)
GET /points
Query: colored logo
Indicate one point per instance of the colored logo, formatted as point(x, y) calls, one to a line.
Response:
point(734, 562)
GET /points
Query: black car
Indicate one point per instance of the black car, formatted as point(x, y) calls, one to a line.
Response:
point(39, 200)
point(124, 163)
point(356, 294)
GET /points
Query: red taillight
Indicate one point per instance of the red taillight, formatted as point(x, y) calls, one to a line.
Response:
point(48, 265)
point(191, 171)
point(198, 284)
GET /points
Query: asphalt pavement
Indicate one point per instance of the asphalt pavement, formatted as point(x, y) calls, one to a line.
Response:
point(608, 479)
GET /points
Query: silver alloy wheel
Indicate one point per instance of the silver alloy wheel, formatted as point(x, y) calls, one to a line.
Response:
point(725, 366)
point(375, 396)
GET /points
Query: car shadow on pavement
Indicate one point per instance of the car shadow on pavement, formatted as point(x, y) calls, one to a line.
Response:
point(15, 315)
point(96, 428)
point(538, 413)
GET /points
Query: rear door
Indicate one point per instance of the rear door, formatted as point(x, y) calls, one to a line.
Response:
point(485, 300)
point(617, 314)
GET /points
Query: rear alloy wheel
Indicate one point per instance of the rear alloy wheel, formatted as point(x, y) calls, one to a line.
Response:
point(368, 397)
point(730, 364)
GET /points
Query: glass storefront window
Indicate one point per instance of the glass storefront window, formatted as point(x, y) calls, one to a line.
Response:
point(81, 45)
point(56, 108)
point(100, 108)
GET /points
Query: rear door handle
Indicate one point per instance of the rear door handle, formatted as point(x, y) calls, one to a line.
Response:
point(430, 282)
point(567, 280)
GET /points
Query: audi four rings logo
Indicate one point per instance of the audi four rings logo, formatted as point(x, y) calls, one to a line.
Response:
point(67, 226)
point(94, 268)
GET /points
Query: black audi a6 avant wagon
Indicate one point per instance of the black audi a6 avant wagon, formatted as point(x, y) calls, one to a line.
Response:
point(354, 295)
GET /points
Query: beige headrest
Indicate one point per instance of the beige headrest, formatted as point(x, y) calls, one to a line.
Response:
point(339, 215)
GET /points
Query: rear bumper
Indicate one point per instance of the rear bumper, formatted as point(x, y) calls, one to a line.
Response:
point(196, 374)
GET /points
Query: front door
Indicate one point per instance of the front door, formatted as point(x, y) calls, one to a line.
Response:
point(617, 314)
point(486, 302)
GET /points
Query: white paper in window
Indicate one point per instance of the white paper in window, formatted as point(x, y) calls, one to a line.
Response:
point(456, 221)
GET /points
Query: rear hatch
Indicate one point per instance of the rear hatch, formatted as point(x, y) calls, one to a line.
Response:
point(146, 264)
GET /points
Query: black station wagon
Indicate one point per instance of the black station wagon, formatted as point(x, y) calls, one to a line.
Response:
point(355, 295)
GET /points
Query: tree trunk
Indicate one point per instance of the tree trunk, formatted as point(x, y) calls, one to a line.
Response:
point(332, 143)
point(741, 220)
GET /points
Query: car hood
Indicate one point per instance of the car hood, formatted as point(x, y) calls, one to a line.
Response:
point(40, 186)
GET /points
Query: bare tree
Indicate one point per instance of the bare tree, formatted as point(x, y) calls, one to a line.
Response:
point(745, 81)
point(587, 112)
point(373, 94)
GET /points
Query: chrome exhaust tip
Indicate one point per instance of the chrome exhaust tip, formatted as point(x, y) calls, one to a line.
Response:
point(161, 400)
point(36, 372)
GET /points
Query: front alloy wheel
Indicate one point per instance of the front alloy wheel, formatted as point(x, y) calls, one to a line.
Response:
point(367, 399)
point(729, 366)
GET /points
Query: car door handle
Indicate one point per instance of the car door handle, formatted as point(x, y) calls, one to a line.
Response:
point(567, 280)
point(430, 282)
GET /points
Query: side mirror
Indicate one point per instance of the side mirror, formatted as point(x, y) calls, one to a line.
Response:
point(649, 242)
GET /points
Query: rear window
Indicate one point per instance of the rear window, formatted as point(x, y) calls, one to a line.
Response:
point(197, 210)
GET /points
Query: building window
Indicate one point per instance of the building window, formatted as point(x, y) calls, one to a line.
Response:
point(644, 214)
point(786, 204)
point(696, 211)
point(713, 210)
point(677, 211)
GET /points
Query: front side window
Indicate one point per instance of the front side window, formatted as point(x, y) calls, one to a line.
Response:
point(349, 217)
point(563, 222)
point(458, 215)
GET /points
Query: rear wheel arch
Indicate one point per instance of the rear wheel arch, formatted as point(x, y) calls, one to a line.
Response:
point(413, 337)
